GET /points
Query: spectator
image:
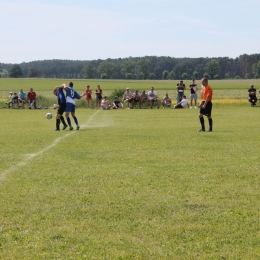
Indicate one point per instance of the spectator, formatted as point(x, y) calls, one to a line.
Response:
point(98, 96)
point(117, 104)
point(152, 98)
point(9, 103)
point(180, 90)
point(193, 94)
point(167, 101)
point(15, 100)
point(252, 96)
point(105, 104)
point(31, 97)
point(22, 97)
point(144, 98)
point(183, 103)
point(89, 96)
point(128, 97)
point(136, 99)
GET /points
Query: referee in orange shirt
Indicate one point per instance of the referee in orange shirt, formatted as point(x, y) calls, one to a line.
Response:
point(205, 105)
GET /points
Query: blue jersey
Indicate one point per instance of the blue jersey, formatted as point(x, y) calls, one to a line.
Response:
point(71, 94)
point(61, 96)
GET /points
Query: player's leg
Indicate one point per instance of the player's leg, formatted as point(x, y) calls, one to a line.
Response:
point(75, 120)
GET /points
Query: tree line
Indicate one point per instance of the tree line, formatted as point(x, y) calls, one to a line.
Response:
point(141, 68)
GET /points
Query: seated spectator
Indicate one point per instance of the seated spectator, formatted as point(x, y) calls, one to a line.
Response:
point(128, 97)
point(31, 97)
point(105, 104)
point(183, 103)
point(152, 98)
point(144, 98)
point(252, 96)
point(22, 97)
point(117, 104)
point(9, 103)
point(167, 101)
point(136, 99)
point(15, 100)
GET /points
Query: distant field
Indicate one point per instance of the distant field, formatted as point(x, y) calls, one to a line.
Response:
point(223, 89)
point(131, 184)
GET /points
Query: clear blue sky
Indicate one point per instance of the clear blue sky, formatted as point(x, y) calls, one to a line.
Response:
point(100, 29)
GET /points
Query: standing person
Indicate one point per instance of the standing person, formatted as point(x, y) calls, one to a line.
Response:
point(252, 96)
point(98, 96)
point(180, 91)
point(31, 97)
point(58, 91)
point(71, 94)
point(205, 105)
point(193, 93)
point(22, 97)
point(89, 96)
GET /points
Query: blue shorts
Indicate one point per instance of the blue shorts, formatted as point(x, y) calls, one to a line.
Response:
point(70, 107)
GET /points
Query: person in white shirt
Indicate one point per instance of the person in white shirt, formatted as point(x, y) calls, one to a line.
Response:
point(183, 103)
point(152, 98)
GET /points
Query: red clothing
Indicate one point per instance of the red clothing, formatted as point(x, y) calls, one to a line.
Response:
point(88, 94)
point(31, 95)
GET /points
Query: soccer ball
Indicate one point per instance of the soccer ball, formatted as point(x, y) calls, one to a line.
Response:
point(49, 116)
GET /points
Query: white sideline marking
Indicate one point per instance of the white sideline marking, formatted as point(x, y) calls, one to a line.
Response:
point(29, 157)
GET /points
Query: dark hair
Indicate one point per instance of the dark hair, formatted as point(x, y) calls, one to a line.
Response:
point(184, 96)
point(71, 84)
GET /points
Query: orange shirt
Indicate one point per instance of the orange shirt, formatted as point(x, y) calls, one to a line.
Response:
point(207, 92)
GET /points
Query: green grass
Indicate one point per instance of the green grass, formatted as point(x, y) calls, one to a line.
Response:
point(131, 184)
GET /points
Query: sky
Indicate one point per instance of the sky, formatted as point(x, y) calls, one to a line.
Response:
point(33, 30)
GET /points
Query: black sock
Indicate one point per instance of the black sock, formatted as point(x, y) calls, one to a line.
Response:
point(210, 124)
point(62, 120)
point(202, 123)
point(58, 124)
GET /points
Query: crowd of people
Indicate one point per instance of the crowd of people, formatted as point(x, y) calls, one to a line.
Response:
point(142, 99)
point(15, 99)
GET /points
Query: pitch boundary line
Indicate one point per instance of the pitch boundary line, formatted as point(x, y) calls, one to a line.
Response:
point(29, 157)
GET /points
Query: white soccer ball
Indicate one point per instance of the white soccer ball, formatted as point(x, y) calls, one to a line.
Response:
point(49, 116)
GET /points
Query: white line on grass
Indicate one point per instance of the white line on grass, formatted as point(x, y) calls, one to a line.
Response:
point(29, 157)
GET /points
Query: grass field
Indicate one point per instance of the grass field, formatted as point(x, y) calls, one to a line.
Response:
point(131, 184)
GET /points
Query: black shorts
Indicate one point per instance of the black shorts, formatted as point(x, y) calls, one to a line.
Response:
point(207, 110)
point(61, 109)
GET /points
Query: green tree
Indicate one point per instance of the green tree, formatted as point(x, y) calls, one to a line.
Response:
point(151, 76)
point(195, 75)
point(216, 76)
point(15, 71)
point(212, 68)
point(140, 75)
point(0, 72)
point(129, 75)
point(256, 76)
point(32, 73)
point(107, 67)
point(247, 76)
point(88, 71)
point(256, 68)
point(103, 76)
point(172, 75)
point(127, 67)
point(165, 74)
point(227, 76)
point(185, 75)
point(237, 77)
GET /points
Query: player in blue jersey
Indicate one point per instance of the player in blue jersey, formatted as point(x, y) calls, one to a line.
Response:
point(58, 91)
point(71, 94)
